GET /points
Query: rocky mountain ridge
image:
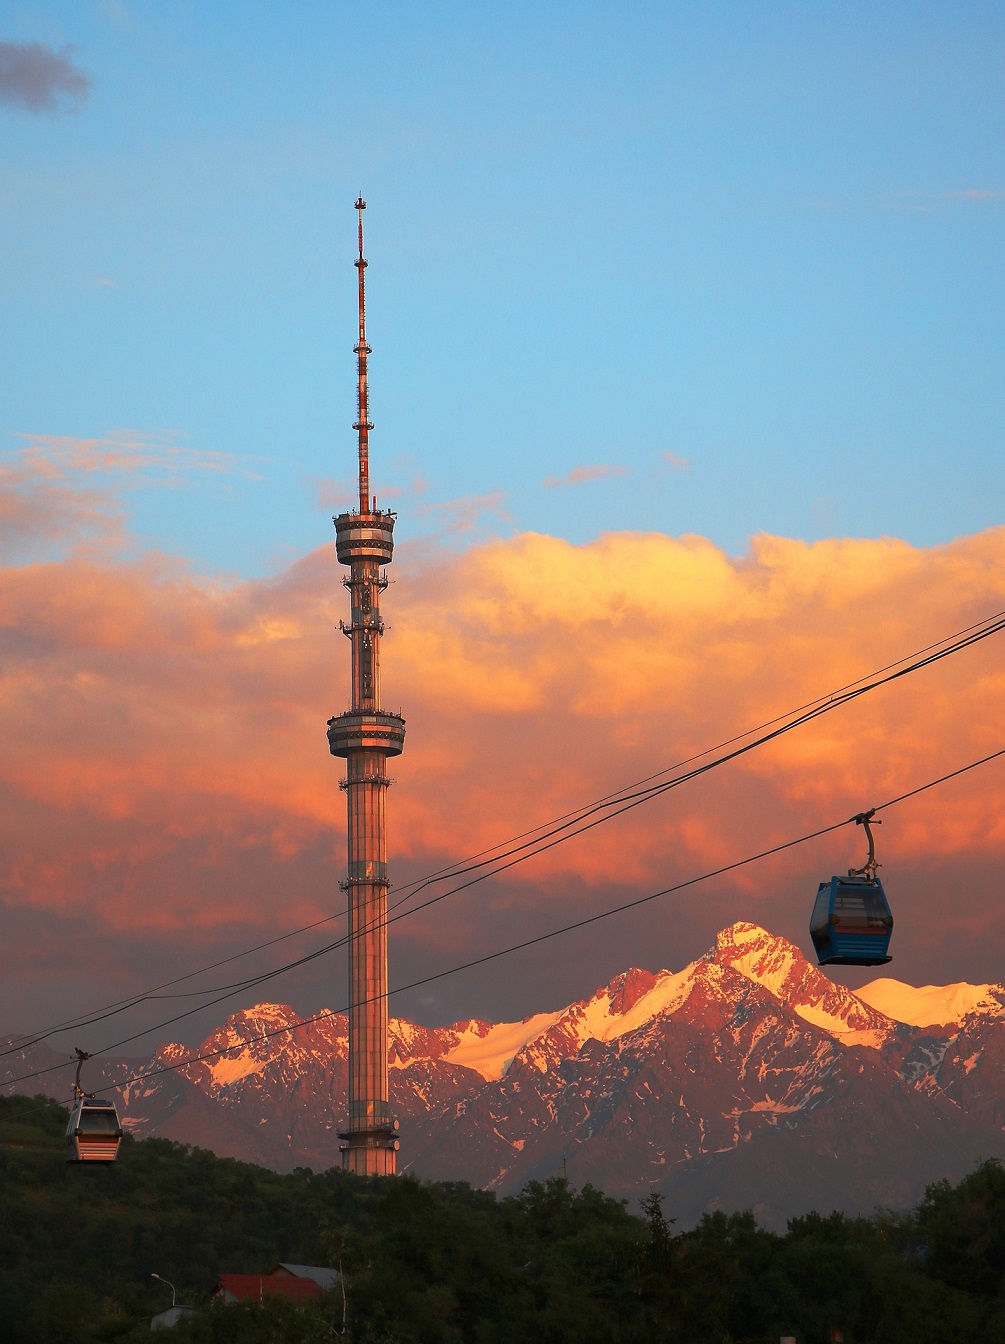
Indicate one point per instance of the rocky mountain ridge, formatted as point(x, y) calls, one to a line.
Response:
point(748, 1079)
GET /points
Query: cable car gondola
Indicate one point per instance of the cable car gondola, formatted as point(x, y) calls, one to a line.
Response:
point(93, 1133)
point(851, 921)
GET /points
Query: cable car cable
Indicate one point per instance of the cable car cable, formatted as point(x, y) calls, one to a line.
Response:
point(530, 942)
point(621, 803)
point(955, 643)
point(578, 924)
point(627, 804)
point(439, 975)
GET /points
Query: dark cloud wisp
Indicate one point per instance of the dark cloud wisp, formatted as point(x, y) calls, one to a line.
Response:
point(40, 79)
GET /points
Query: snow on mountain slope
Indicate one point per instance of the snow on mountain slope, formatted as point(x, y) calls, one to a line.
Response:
point(490, 1051)
point(630, 1000)
point(932, 1005)
point(613, 1013)
point(637, 997)
point(253, 1048)
point(780, 968)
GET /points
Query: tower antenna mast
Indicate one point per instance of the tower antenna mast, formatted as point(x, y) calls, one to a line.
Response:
point(362, 425)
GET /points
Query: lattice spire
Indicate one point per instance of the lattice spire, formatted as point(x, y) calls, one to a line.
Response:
point(362, 425)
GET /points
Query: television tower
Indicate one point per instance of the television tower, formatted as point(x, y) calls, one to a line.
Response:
point(366, 735)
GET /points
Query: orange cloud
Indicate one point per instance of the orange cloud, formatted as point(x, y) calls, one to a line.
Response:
point(66, 491)
point(124, 452)
point(675, 461)
point(165, 768)
point(40, 505)
point(576, 667)
point(464, 514)
point(580, 475)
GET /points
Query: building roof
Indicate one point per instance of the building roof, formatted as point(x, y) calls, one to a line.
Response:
point(253, 1287)
point(323, 1276)
point(171, 1316)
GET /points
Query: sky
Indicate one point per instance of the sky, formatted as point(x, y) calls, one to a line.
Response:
point(687, 348)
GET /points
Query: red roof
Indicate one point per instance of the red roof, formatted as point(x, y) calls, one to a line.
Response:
point(253, 1287)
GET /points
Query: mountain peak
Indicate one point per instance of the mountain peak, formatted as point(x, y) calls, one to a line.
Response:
point(760, 956)
point(626, 989)
point(779, 967)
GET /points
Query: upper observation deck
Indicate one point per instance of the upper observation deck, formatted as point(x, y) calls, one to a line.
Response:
point(364, 536)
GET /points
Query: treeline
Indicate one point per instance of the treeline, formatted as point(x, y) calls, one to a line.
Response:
point(444, 1263)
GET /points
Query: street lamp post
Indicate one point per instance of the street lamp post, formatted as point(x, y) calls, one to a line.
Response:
point(169, 1284)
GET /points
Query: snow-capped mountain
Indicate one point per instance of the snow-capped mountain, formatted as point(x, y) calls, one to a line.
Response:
point(747, 1079)
point(932, 1005)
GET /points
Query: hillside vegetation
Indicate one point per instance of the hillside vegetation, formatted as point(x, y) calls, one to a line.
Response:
point(445, 1263)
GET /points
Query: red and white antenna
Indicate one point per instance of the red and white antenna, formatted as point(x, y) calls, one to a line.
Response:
point(362, 425)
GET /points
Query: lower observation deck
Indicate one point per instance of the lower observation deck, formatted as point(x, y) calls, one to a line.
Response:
point(366, 730)
point(370, 1152)
point(372, 1136)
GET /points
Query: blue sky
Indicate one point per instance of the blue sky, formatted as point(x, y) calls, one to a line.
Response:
point(746, 259)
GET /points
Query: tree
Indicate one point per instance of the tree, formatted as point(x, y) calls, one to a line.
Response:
point(960, 1231)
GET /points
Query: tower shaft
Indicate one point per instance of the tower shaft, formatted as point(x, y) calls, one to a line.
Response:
point(365, 736)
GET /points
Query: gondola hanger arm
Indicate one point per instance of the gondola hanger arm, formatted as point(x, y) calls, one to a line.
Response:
point(78, 1091)
point(868, 869)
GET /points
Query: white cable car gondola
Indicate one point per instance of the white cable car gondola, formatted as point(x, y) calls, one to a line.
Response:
point(93, 1133)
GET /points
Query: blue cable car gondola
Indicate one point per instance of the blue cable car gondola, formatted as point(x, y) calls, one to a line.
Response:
point(93, 1133)
point(851, 921)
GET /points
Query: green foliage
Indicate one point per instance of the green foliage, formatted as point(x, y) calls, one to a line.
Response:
point(446, 1264)
point(960, 1231)
point(34, 1123)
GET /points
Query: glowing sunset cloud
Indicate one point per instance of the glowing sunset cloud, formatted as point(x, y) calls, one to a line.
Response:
point(165, 768)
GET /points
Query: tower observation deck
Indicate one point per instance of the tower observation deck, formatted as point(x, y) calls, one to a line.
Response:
point(366, 735)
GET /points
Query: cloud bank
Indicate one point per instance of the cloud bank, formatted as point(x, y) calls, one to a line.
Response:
point(166, 781)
